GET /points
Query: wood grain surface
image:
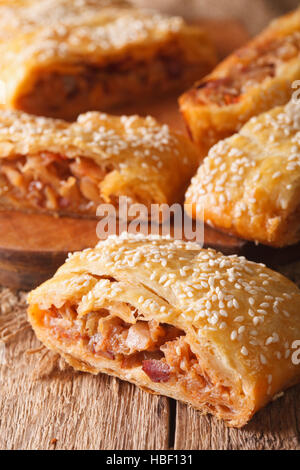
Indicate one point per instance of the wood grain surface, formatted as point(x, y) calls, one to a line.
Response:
point(44, 404)
point(43, 407)
point(276, 427)
point(33, 246)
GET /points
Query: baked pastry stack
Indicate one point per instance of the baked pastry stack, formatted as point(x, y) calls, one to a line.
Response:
point(54, 167)
point(213, 331)
point(60, 58)
point(252, 80)
point(216, 332)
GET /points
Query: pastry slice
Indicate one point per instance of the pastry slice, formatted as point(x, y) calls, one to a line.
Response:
point(60, 58)
point(252, 80)
point(54, 167)
point(249, 184)
point(219, 333)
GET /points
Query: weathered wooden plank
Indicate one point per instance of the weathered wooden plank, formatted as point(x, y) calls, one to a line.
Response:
point(43, 406)
point(276, 427)
point(68, 410)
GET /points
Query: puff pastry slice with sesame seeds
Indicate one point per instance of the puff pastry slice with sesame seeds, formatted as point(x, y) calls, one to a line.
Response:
point(51, 166)
point(249, 184)
point(219, 333)
point(60, 58)
point(252, 80)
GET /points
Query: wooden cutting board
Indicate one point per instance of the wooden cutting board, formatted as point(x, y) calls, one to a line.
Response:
point(32, 247)
point(46, 405)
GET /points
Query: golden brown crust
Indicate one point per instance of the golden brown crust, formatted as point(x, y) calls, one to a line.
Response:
point(252, 80)
point(53, 166)
point(249, 184)
point(60, 58)
point(239, 319)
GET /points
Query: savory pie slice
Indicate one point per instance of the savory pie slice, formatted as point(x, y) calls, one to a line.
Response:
point(60, 58)
point(217, 332)
point(52, 166)
point(249, 184)
point(254, 79)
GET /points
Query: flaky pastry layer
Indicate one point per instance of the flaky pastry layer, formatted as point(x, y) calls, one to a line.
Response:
point(254, 79)
point(216, 332)
point(60, 58)
point(52, 166)
point(249, 184)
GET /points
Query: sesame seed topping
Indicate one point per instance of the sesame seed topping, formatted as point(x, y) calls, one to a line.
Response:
point(193, 299)
point(233, 335)
point(242, 201)
point(88, 27)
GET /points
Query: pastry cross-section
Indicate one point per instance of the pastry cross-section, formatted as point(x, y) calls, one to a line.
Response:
point(254, 79)
point(217, 332)
point(52, 166)
point(60, 58)
point(249, 184)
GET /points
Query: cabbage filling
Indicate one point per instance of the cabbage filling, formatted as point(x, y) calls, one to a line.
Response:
point(58, 93)
point(265, 59)
point(160, 350)
point(52, 183)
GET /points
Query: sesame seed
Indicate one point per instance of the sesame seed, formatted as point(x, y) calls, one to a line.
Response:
point(233, 335)
point(263, 359)
point(239, 319)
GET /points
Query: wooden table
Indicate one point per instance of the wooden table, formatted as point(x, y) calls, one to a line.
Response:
point(44, 404)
